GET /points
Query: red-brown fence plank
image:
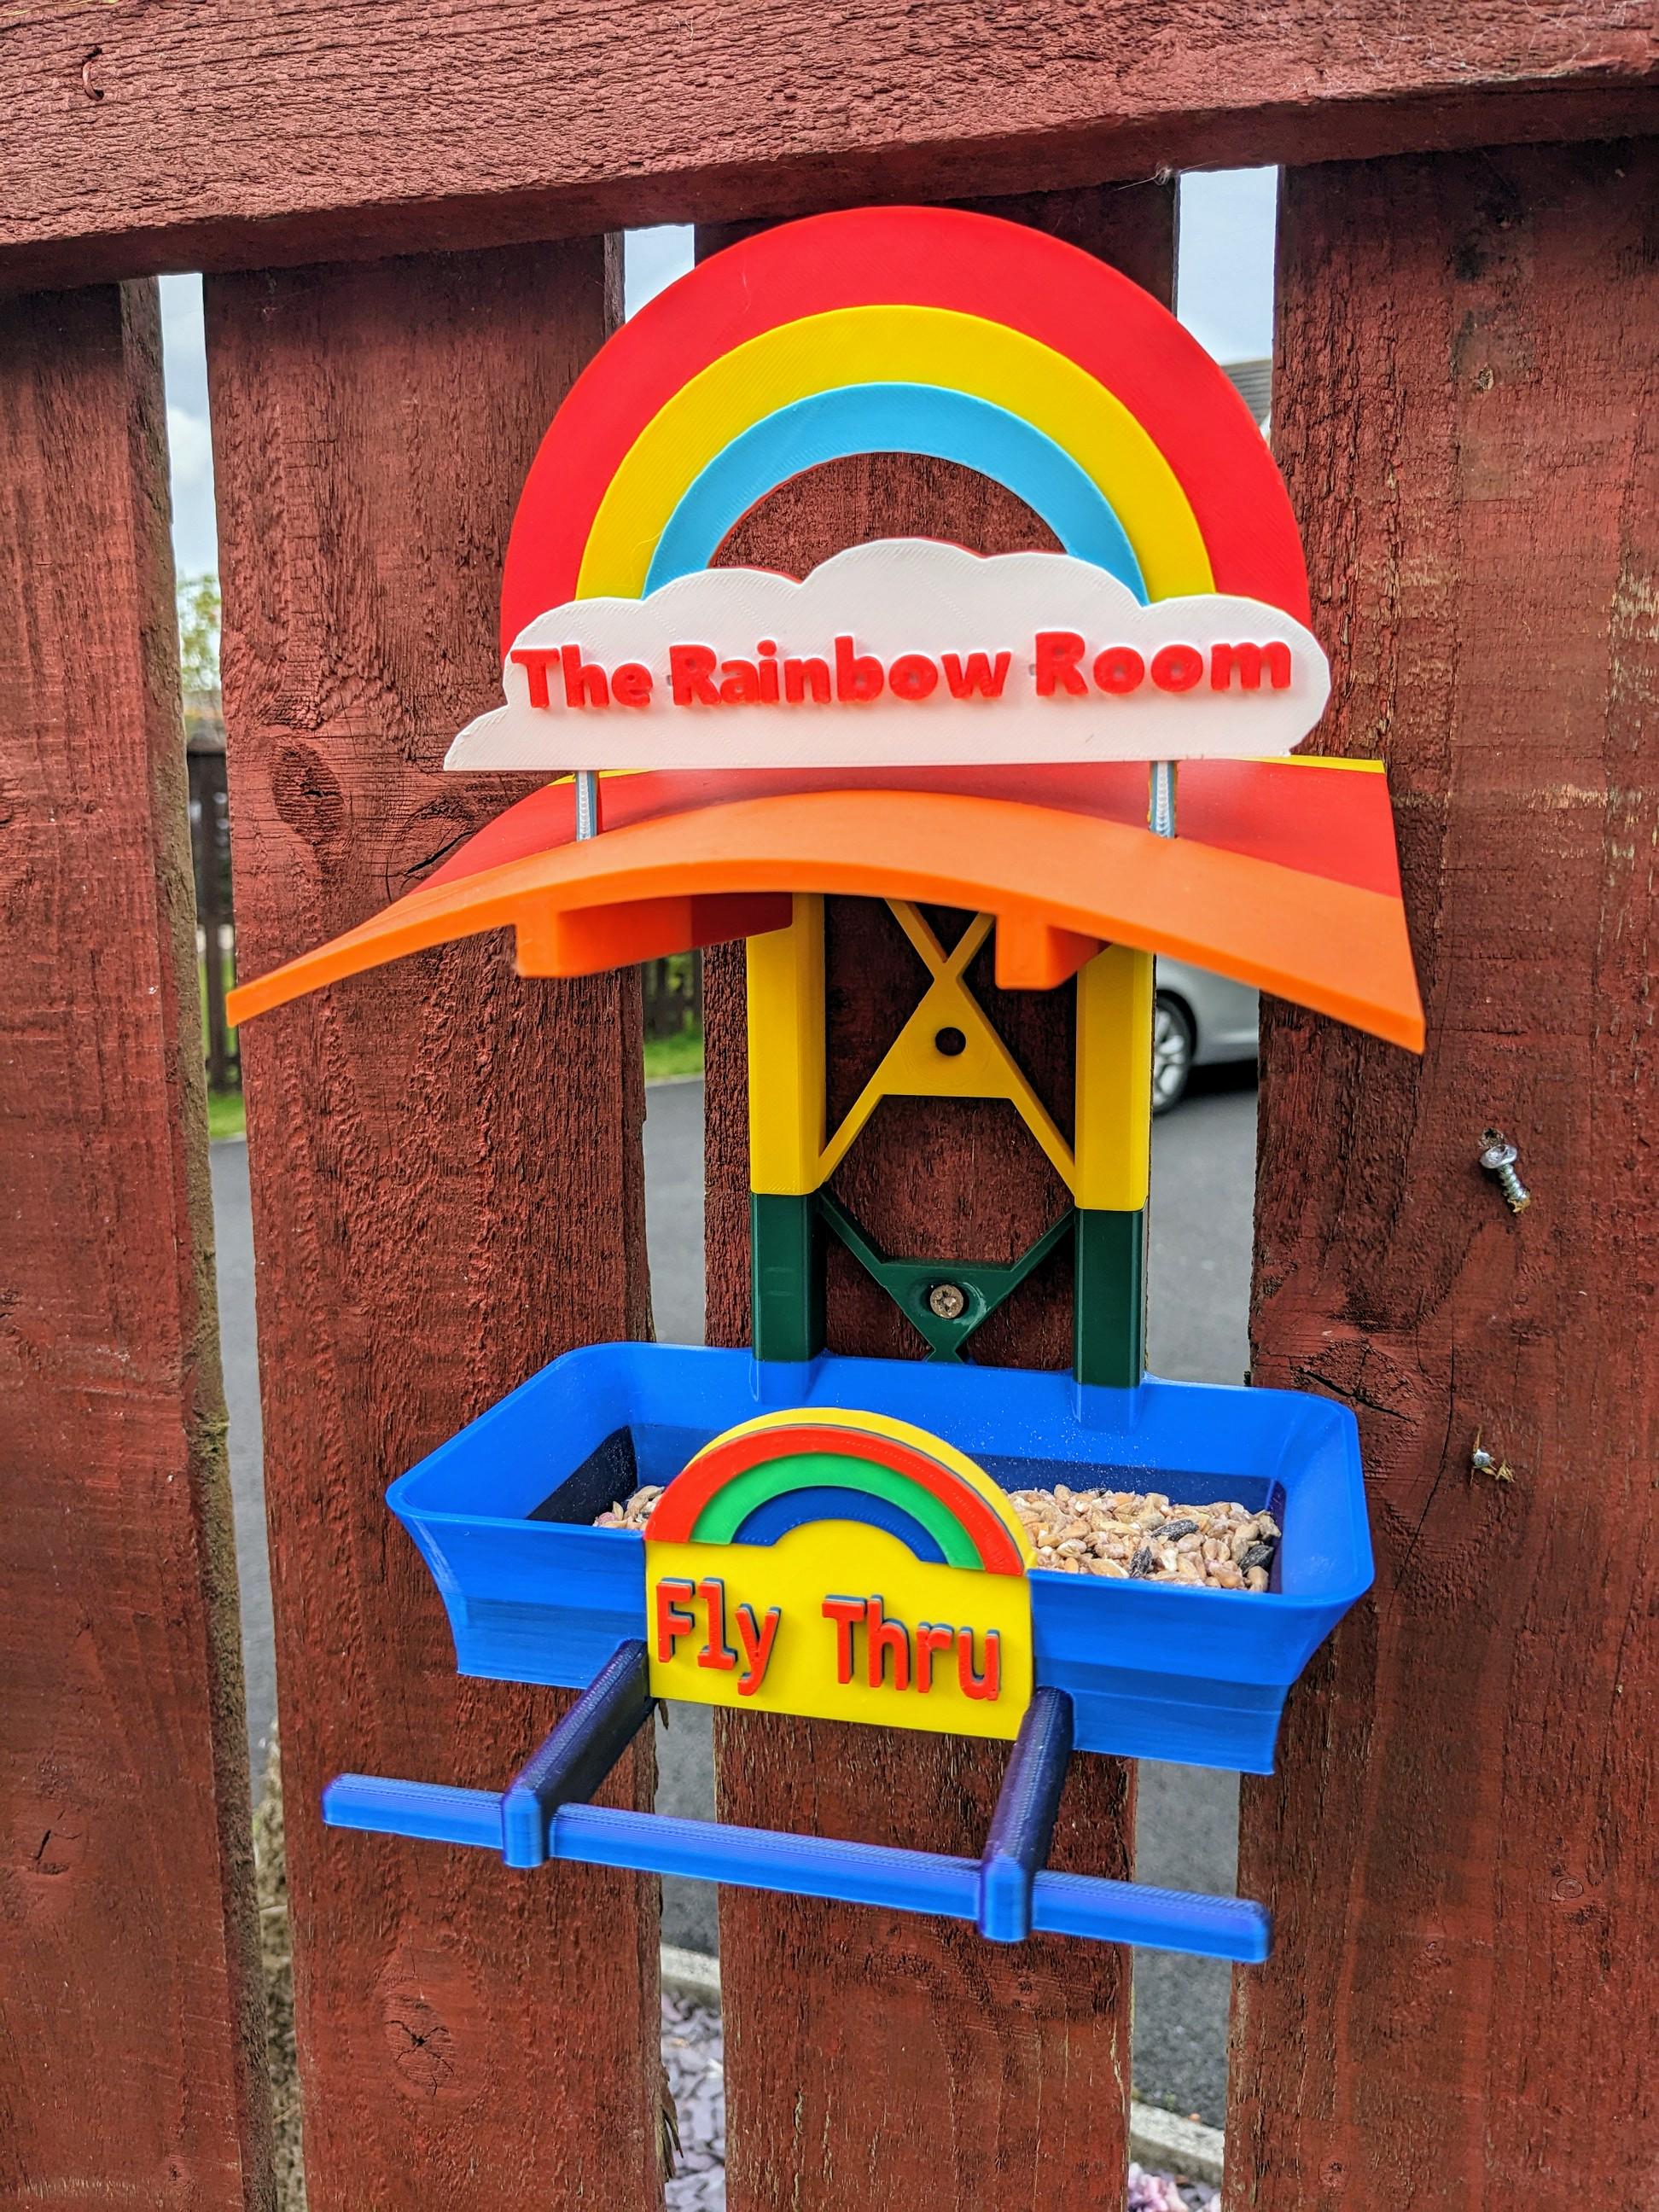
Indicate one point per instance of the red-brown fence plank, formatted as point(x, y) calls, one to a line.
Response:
point(131, 2040)
point(448, 1192)
point(349, 126)
point(1460, 1843)
point(878, 2062)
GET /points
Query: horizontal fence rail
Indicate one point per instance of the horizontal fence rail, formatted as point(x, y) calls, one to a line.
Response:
point(364, 127)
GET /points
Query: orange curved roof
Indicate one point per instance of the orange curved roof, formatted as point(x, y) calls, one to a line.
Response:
point(1060, 884)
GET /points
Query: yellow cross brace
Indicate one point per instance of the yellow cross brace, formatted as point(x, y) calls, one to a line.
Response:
point(789, 1154)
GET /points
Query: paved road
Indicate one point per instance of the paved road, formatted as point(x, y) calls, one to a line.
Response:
point(1203, 1173)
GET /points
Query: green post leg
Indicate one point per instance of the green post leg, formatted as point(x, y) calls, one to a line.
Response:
point(785, 1276)
point(1109, 1323)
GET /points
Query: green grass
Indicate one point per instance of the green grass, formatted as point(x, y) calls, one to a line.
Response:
point(225, 1117)
point(674, 1055)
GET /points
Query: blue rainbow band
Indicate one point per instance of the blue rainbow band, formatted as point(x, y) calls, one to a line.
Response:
point(899, 418)
point(796, 1509)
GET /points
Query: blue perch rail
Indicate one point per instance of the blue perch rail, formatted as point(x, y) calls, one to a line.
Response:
point(543, 1813)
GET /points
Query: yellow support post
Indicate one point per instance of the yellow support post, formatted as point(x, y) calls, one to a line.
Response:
point(1114, 1138)
point(786, 1074)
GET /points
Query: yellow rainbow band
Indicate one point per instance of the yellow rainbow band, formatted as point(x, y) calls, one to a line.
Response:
point(895, 344)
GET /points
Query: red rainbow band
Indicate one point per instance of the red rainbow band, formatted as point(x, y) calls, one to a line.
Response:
point(927, 257)
point(676, 1513)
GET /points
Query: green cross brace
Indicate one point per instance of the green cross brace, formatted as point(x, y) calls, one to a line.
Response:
point(911, 1283)
point(1108, 1294)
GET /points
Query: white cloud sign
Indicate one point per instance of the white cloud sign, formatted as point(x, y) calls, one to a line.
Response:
point(901, 653)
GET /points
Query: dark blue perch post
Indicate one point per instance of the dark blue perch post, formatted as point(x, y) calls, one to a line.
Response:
point(1022, 1823)
point(578, 1755)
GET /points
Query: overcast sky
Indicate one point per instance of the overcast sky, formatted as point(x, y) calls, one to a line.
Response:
point(1224, 297)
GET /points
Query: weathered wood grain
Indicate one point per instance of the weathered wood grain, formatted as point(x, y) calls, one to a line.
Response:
point(877, 2062)
point(1460, 1843)
point(131, 2023)
point(242, 133)
point(448, 1192)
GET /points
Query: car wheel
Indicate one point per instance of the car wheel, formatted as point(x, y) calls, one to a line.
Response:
point(1173, 1042)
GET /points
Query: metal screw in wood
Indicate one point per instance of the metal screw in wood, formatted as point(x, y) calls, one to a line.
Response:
point(1498, 1160)
point(1481, 1462)
point(948, 1301)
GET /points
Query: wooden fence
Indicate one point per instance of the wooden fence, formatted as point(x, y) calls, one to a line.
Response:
point(670, 990)
point(402, 218)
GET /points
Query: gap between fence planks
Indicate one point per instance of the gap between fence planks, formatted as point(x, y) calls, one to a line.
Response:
point(878, 2062)
point(339, 127)
point(448, 1192)
point(131, 2023)
point(1460, 1842)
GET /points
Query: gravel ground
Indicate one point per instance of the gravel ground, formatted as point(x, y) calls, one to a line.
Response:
point(694, 2056)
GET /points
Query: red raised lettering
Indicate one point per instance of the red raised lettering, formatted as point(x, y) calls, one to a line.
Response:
point(1249, 660)
point(846, 1613)
point(930, 1639)
point(766, 657)
point(800, 677)
point(881, 1637)
point(756, 1638)
point(1177, 667)
point(857, 676)
point(673, 1621)
point(913, 676)
point(584, 684)
point(632, 684)
point(988, 1683)
point(739, 683)
point(1119, 669)
point(690, 670)
point(1058, 652)
point(716, 1652)
point(978, 677)
point(535, 660)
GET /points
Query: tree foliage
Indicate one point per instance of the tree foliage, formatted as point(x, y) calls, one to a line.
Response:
point(198, 636)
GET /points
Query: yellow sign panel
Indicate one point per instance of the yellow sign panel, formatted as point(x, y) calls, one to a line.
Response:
point(841, 1622)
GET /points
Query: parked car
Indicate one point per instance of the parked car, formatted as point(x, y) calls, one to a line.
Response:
point(1200, 1021)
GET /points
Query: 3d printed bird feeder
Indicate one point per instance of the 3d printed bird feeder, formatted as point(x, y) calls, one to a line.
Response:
point(913, 724)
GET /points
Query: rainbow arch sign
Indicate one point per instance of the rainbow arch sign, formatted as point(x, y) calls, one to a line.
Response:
point(845, 1565)
point(1171, 621)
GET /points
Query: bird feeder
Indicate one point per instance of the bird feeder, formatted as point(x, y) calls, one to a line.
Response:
point(997, 738)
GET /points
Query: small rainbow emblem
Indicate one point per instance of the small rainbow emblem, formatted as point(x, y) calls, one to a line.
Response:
point(924, 331)
point(755, 1483)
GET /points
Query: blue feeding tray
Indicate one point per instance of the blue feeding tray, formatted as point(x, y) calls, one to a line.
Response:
point(503, 1514)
